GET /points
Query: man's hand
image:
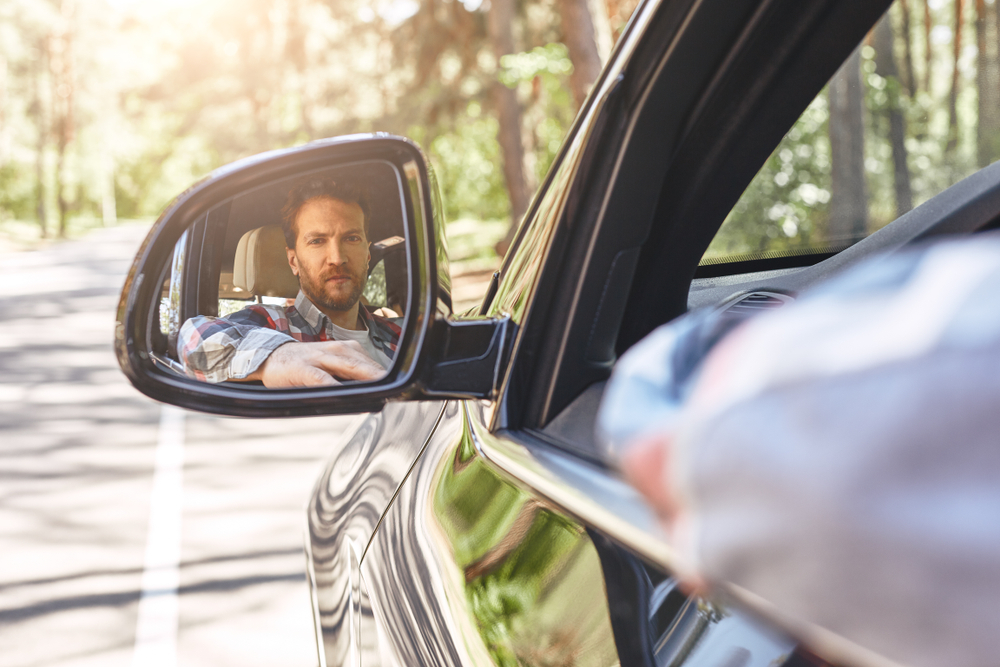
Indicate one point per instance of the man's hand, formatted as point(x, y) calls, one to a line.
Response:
point(316, 365)
point(646, 464)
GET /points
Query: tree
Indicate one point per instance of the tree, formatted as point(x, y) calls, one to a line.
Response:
point(61, 66)
point(295, 53)
point(928, 50)
point(885, 63)
point(127, 103)
point(581, 39)
point(848, 220)
point(955, 79)
point(580, 35)
point(37, 111)
point(500, 20)
point(909, 81)
point(988, 82)
point(619, 13)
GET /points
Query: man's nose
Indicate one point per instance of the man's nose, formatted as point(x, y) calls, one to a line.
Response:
point(335, 255)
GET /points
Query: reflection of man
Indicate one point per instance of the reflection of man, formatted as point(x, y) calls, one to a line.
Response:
point(325, 226)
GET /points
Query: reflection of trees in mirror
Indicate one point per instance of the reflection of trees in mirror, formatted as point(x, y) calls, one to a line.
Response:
point(230, 306)
point(528, 571)
point(375, 291)
point(164, 315)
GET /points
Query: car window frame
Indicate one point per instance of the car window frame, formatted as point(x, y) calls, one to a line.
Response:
point(549, 367)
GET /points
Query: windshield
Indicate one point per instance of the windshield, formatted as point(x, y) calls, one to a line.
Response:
point(913, 110)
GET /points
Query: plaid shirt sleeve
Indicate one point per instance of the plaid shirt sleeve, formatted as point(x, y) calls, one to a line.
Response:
point(215, 349)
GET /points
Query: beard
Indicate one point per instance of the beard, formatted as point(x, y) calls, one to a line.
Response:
point(333, 296)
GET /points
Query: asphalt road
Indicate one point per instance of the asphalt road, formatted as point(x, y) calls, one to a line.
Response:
point(79, 456)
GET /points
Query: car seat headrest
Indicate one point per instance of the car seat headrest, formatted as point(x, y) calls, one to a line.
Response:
point(261, 264)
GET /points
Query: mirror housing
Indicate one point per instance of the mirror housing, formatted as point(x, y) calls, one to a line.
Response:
point(436, 356)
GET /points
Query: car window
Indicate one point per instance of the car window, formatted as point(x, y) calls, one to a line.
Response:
point(913, 110)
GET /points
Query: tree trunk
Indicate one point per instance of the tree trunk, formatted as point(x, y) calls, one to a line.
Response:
point(928, 51)
point(885, 63)
point(499, 24)
point(40, 212)
point(996, 32)
point(910, 82)
point(988, 83)
point(849, 200)
point(295, 53)
point(581, 40)
point(955, 76)
point(37, 112)
point(109, 207)
point(61, 67)
point(5, 136)
point(619, 12)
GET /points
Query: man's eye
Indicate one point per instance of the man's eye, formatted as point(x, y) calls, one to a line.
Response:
point(315, 241)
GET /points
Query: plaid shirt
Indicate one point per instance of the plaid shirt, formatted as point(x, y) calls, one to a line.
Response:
point(216, 349)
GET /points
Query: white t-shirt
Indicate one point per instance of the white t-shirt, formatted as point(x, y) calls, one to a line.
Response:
point(361, 336)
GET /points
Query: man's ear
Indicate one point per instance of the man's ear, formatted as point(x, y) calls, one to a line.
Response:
point(292, 260)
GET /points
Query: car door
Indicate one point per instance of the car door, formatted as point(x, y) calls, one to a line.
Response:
point(511, 539)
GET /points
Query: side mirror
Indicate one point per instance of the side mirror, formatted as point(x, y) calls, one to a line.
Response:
point(285, 247)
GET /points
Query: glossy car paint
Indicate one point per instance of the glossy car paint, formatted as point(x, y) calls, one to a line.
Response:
point(471, 567)
point(518, 578)
point(491, 574)
point(347, 505)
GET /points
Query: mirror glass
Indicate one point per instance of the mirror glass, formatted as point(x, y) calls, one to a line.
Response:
point(300, 282)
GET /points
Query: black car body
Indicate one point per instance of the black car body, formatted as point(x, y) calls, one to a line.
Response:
point(487, 526)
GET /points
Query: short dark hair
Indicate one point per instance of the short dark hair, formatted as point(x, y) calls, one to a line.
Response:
point(350, 193)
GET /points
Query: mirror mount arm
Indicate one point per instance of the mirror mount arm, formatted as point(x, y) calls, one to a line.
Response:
point(467, 357)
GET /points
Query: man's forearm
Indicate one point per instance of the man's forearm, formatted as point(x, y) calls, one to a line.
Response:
point(216, 350)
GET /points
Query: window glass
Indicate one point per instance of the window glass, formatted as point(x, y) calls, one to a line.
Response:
point(913, 110)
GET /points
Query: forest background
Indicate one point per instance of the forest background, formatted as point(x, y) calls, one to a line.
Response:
point(109, 108)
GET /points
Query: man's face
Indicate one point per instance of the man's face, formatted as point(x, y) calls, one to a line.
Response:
point(331, 252)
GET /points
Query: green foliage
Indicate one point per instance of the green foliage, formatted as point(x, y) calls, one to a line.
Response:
point(467, 161)
point(375, 290)
point(509, 547)
point(551, 59)
point(787, 202)
point(467, 155)
point(786, 207)
point(501, 598)
point(17, 192)
point(163, 96)
point(541, 77)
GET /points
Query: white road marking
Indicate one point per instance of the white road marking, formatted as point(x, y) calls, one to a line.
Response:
point(156, 626)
